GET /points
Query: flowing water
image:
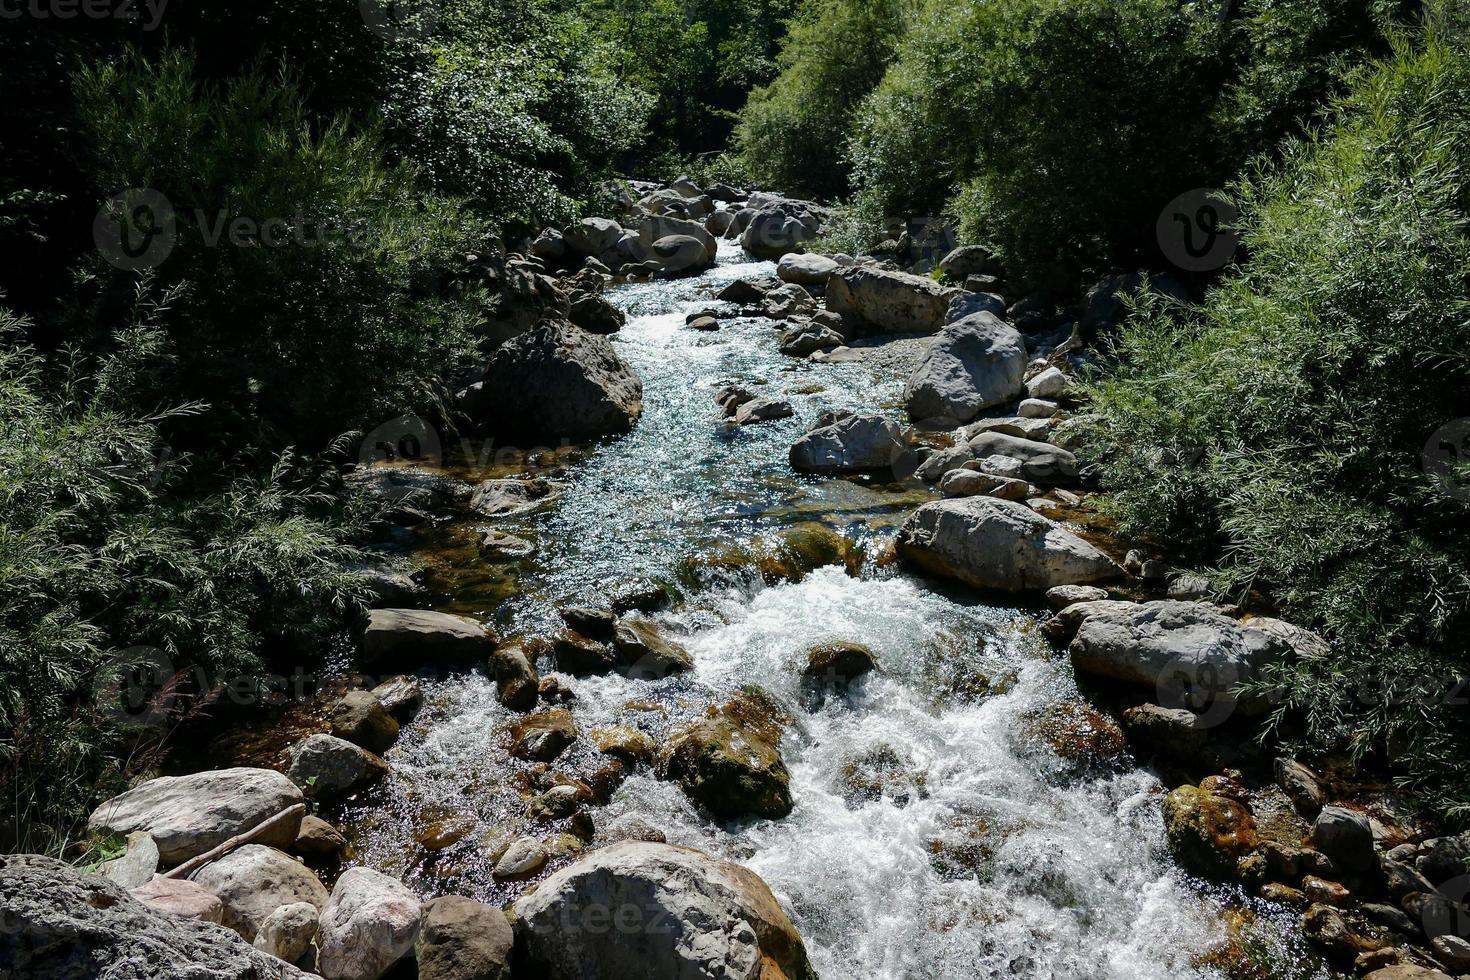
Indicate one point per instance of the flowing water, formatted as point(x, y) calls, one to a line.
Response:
point(945, 826)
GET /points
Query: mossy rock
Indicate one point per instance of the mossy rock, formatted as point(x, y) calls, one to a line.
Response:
point(803, 548)
point(1208, 834)
point(729, 762)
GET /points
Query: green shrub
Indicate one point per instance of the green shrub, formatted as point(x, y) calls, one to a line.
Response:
point(109, 542)
point(1277, 431)
point(339, 321)
point(791, 132)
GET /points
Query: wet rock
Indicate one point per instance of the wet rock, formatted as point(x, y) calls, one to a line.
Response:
point(181, 898)
point(1160, 645)
point(647, 655)
point(560, 382)
point(557, 803)
point(1325, 892)
point(893, 302)
point(583, 657)
point(974, 364)
point(369, 925)
point(1041, 462)
point(499, 546)
point(400, 696)
point(522, 860)
point(1346, 836)
point(361, 719)
point(998, 544)
point(543, 737)
point(879, 773)
point(1173, 732)
point(746, 292)
point(707, 324)
point(516, 681)
point(624, 742)
point(641, 595)
point(319, 841)
point(1283, 894)
point(1063, 596)
point(398, 637)
point(392, 587)
point(730, 768)
point(635, 828)
point(942, 461)
point(1329, 929)
point(1443, 858)
point(251, 882)
point(1298, 782)
point(596, 623)
point(763, 410)
point(511, 498)
point(839, 662)
point(696, 916)
point(854, 444)
point(1208, 834)
point(330, 769)
point(188, 815)
point(287, 932)
point(595, 314)
point(59, 923)
point(460, 939)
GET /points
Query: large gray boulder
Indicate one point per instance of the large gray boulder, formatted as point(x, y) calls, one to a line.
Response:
point(658, 912)
point(776, 226)
point(594, 236)
point(893, 302)
point(253, 881)
point(1041, 462)
point(1168, 643)
point(655, 227)
point(188, 815)
point(974, 364)
point(854, 444)
point(559, 381)
point(57, 923)
point(988, 543)
point(330, 769)
point(806, 270)
point(407, 638)
point(370, 924)
point(680, 255)
point(969, 260)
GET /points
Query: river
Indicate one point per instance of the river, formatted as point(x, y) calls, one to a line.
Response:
point(983, 851)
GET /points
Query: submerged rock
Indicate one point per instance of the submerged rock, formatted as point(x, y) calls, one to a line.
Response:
point(989, 543)
point(647, 911)
point(1209, 834)
point(729, 767)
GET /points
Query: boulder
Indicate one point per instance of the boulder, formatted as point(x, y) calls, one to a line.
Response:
point(658, 912)
point(1165, 644)
point(589, 621)
point(399, 637)
point(1063, 596)
point(725, 193)
point(253, 881)
point(594, 313)
point(287, 932)
point(1299, 783)
point(594, 237)
point(681, 255)
point(968, 304)
point(549, 246)
point(942, 461)
point(1037, 408)
point(58, 923)
point(562, 382)
point(582, 656)
point(854, 444)
point(516, 681)
point(1406, 971)
point(401, 696)
point(370, 924)
point(1174, 732)
point(807, 338)
point(319, 841)
point(972, 483)
point(974, 364)
point(746, 292)
point(777, 226)
point(893, 302)
point(361, 719)
point(1105, 305)
point(1346, 836)
point(542, 737)
point(967, 261)
point(729, 767)
point(1208, 834)
point(330, 769)
point(521, 860)
point(787, 301)
point(646, 654)
point(763, 410)
point(1040, 462)
point(461, 939)
point(137, 866)
point(512, 498)
point(1050, 383)
point(655, 228)
point(1443, 858)
point(839, 662)
point(805, 269)
point(999, 544)
point(180, 897)
point(188, 815)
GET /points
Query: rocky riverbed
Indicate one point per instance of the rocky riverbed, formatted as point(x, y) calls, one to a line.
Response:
point(820, 662)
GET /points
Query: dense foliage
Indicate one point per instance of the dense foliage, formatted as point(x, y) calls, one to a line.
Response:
point(1281, 430)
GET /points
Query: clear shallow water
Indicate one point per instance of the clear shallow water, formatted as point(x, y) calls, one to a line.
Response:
point(937, 833)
